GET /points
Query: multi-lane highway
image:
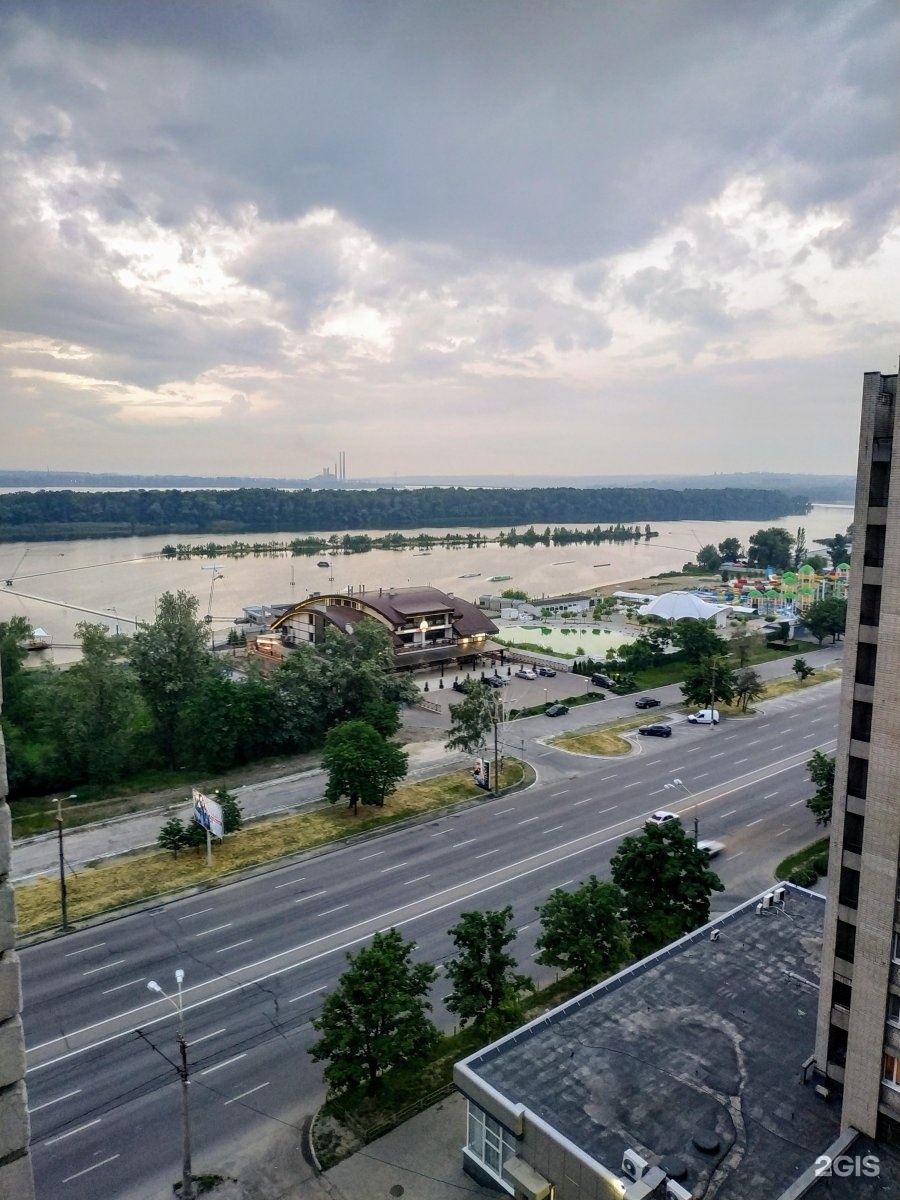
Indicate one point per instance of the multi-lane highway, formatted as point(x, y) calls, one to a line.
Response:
point(260, 954)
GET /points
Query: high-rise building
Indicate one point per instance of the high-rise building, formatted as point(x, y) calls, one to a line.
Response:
point(858, 1030)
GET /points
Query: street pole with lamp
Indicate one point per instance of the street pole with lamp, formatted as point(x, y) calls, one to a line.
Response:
point(678, 783)
point(63, 896)
point(187, 1179)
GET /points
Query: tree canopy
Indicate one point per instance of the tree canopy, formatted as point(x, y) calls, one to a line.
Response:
point(583, 931)
point(697, 639)
point(772, 547)
point(472, 718)
point(487, 988)
point(709, 682)
point(361, 765)
point(821, 774)
point(824, 617)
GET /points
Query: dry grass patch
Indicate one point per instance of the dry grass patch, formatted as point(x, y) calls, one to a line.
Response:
point(782, 687)
point(600, 741)
point(137, 877)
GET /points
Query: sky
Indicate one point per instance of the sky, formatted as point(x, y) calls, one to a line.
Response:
point(445, 236)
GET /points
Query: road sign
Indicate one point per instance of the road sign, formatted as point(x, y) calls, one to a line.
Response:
point(208, 813)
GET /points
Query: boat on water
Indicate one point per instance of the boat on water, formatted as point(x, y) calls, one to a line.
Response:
point(471, 575)
point(323, 563)
point(421, 553)
point(602, 564)
point(565, 562)
point(38, 639)
point(499, 578)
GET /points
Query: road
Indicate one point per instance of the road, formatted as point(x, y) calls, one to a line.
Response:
point(260, 954)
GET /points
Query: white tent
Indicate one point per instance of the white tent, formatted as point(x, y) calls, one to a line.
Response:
point(681, 606)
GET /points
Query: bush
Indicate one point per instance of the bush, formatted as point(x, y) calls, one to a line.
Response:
point(803, 875)
point(820, 864)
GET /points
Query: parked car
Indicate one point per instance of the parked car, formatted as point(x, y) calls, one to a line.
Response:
point(556, 710)
point(706, 716)
point(603, 681)
point(656, 730)
point(547, 672)
point(647, 702)
point(495, 681)
point(712, 848)
point(526, 673)
point(661, 818)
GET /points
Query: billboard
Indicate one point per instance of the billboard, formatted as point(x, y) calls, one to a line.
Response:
point(208, 813)
point(481, 773)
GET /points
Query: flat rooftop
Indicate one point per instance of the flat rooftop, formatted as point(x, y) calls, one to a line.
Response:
point(706, 1035)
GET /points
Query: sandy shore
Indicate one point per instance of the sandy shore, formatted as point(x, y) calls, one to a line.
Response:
point(671, 583)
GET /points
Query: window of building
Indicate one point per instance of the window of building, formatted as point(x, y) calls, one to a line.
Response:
point(870, 604)
point(861, 721)
point(488, 1141)
point(891, 1071)
point(857, 776)
point(853, 832)
point(866, 657)
point(893, 1011)
point(848, 892)
point(895, 949)
point(845, 941)
point(841, 994)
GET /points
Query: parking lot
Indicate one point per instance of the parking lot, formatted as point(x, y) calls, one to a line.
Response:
point(516, 692)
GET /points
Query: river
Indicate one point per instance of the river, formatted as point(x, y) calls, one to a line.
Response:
point(119, 579)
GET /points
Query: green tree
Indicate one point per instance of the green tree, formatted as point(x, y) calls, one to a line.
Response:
point(799, 548)
point(772, 547)
point(487, 989)
point(731, 549)
point(709, 558)
point(514, 594)
point(666, 883)
point(171, 662)
point(376, 1018)
point(697, 639)
point(821, 774)
point(298, 687)
point(838, 547)
point(748, 686)
point(232, 813)
point(13, 679)
point(802, 669)
point(172, 836)
point(709, 681)
point(828, 616)
point(744, 645)
point(358, 669)
point(583, 931)
point(472, 718)
point(361, 765)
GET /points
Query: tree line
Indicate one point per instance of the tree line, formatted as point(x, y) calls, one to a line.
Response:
point(61, 514)
point(777, 548)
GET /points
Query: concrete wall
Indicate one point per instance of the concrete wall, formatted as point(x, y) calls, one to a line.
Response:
point(15, 1159)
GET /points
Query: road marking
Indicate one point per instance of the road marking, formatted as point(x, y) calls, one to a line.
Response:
point(770, 796)
point(721, 754)
point(694, 749)
point(794, 803)
point(206, 1036)
point(84, 950)
point(464, 842)
point(738, 761)
point(441, 832)
point(658, 792)
point(329, 911)
point(780, 746)
point(611, 808)
point(119, 986)
point(198, 913)
point(106, 966)
point(59, 1099)
point(303, 995)
point(290, 882)
point(738, 855)
point(722, 816)
point(311, 896)
point(226, 1063)
point(397, 866)
point(705, 775)
point(418, 879)
point(487, 852)
point(807, 736)
point(603, 778)
point(528, 820)
point(786, 729)
point(234, 1099)
point(755, 742)
point(81, 1128)
point(215, 929)
point(522, 927)
point(375, 855)
point(234, 945)
point(87, 1170)
point(758, 821)
point(564, 792)
point(501, 811)
point(637, 783)
point(568, 883)
point(577, 802)
point(783, 832)
point(553, 829)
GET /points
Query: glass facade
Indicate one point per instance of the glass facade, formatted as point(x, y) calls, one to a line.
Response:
point(488, 1141)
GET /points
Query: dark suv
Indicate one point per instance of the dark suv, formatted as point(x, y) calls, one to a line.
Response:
point(656, 730)
point(603, 681)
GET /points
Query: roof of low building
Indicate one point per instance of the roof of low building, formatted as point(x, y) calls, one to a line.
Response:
point(676, 606)
point(396, 606)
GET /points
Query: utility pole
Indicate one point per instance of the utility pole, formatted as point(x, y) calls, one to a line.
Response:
point(63, 897)
point(187, 1178)
point(496, 787)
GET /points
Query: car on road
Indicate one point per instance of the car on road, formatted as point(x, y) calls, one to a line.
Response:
point(556, 710)
point(603, 681)
point(547, 672)
point(647, 702)
point(494, 681)
point(526, 673)
point(706, 716)
point(662, 818)
point(656, 730)
point(712, 848)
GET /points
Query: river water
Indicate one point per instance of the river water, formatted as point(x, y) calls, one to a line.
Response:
point(119, 579)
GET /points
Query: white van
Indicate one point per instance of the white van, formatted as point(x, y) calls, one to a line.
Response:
point(706, 716)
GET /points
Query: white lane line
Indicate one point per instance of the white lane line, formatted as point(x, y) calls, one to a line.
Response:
point(694, 749)
point(206, 1036)
point(568, 883)
point(375, 855)
point(441, 832)
point(807, 736)
point(329, 911)
point(58, 1100)
point(501, 811)
point(705, 775)
point(603, 778)
point(464, 842)
point(658, 792)
point(722, 816)
point(528, 820)
point(87, 1170)
point(758, 821)
point(84, 949)
point(521, 927)
point(311, 896)
point(719, 755)
point(234, 945)
point(738, 761)
point(418, 879)
point(397, 866)
point(564, 792)
point(105, 967)
point(611, 808)
point(198, 913)
point(226, 1063)
point(215, 929)
point(234, 1099)
point(780, 746)
point(755, 742)
point(303, 995)
point(488, 852)
point(553, 829)
point(738, 855)
point(290, 882)
point(577, 802)
point(637, 783)
point(770, 796)
point(783, 832)
point(81, 1128)
point(785, 729)
point(119, 986)
point(794, 803)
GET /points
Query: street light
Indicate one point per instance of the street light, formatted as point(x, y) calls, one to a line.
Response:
point(187, 1179)
point(678, 783)
point(63, 898)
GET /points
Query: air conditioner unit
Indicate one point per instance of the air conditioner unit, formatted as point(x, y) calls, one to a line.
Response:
point(674, 1191)
point(633, 1166)
point(759, 909)
point(768, 900)
point(780, 894)
point(714, 935)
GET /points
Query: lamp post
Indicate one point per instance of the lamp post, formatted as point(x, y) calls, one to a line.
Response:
point(63, 898)
point(677, 783)
point(187, 1179)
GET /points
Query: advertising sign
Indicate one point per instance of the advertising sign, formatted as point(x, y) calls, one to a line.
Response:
point(208, 813)
point(481, 773)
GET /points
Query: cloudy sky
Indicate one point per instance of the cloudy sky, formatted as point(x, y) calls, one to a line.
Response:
point(445, 236)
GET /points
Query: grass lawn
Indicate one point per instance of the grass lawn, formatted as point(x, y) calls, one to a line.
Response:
point(600, 741)
point(153, 873)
